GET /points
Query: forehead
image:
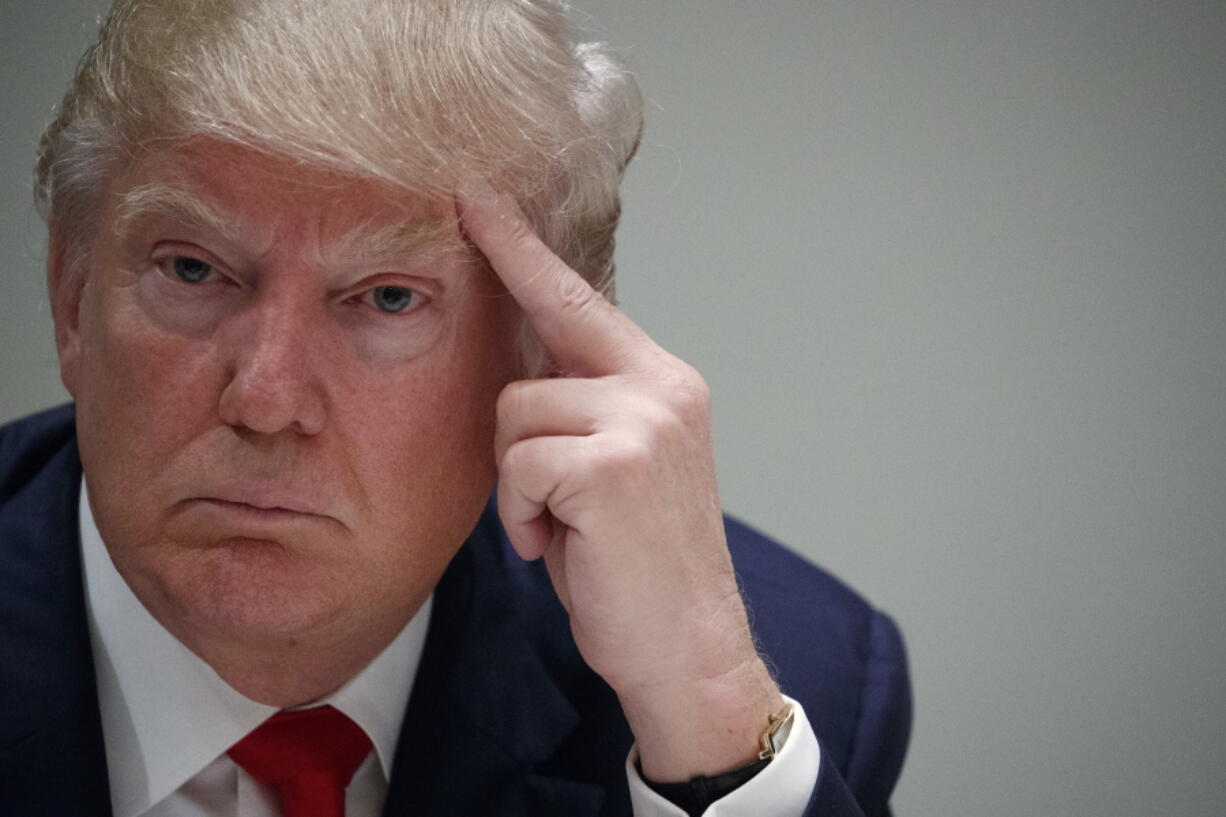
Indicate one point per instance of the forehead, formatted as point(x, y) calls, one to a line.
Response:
point(255, 196)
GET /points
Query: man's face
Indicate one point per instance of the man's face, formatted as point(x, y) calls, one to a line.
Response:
point(285, 396)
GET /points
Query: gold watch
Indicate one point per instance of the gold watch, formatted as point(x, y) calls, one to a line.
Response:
point(778, 727)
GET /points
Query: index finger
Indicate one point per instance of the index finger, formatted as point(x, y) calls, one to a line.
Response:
point(582, 330)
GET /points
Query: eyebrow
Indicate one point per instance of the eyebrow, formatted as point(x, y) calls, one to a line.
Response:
point(423, 241)
point(426, 242)
point(174, 202)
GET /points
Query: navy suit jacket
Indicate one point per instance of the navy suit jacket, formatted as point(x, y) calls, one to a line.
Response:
point(504, 718)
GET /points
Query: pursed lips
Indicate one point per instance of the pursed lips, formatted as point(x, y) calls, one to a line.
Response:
point(260, 505)
point(248, 507)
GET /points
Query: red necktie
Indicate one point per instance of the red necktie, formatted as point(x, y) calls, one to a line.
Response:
point(309, 755)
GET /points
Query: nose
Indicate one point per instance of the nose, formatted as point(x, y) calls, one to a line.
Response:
point(273, 382)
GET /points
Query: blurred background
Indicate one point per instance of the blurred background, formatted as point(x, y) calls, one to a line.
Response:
point(956, 272)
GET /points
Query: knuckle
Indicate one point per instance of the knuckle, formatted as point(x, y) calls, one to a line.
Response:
point(696, 389)
point(513, 461)
point(689, 395)
point(661, 420)
point(574, 294)
point(623, 460)
point(511, 399)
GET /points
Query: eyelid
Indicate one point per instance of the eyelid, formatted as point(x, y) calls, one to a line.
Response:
point(166, 251)
point(420, 289)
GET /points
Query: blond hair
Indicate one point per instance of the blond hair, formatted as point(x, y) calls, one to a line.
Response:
point(417, 93)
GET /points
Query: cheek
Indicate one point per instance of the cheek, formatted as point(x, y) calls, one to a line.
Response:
point(437, 427)
point(427, 469)
point(432, 444)
point(133, 366)
point(141, 391)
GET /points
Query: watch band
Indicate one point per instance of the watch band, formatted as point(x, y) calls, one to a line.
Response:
point(695, 795)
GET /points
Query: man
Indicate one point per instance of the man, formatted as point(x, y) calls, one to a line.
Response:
point(324, 275)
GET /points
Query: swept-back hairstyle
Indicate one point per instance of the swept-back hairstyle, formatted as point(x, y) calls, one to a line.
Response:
point(417, 93)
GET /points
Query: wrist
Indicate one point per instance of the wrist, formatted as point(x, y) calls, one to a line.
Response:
point(702, 728)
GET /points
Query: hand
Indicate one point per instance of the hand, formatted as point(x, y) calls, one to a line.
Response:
point(607, 473)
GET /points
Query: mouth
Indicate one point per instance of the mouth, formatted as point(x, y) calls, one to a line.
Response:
point(258, 517)
point(270, 512)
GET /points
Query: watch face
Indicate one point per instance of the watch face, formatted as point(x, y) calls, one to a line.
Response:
point(780, 727)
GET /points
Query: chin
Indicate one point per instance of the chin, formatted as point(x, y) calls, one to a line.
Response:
point(245, 594)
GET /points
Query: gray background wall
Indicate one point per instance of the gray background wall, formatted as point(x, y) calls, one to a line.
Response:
point(956, 271)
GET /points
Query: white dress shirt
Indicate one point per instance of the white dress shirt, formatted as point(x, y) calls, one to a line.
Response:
point(168, 719)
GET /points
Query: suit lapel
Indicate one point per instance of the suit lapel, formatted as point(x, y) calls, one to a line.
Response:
point(52, 759)
point(488, 718)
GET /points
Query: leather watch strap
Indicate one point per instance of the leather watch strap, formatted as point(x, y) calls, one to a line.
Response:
point(694, 796)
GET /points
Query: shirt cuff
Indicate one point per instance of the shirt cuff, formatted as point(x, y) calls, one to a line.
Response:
point(782, 789)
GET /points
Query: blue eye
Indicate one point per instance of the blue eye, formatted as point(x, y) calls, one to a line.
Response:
point(392, 299)
point(191, 270)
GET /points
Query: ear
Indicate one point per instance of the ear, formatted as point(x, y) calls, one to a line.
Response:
point(65, 285)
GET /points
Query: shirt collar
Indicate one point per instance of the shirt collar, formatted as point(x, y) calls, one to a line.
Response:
point(166, 714)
